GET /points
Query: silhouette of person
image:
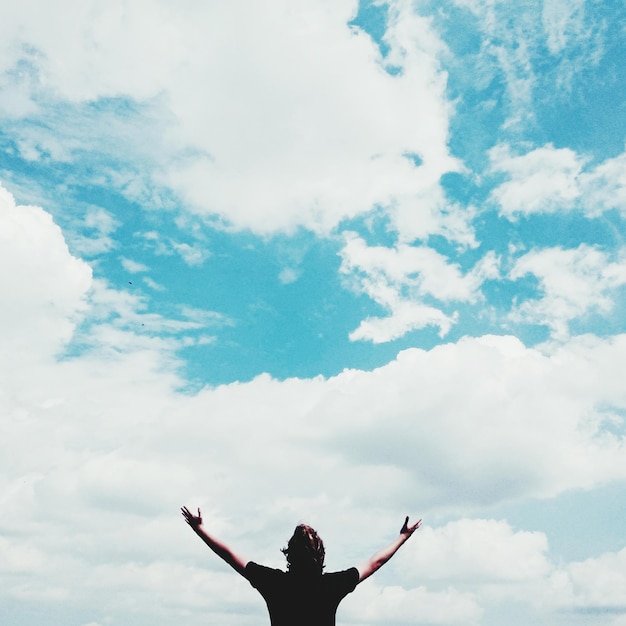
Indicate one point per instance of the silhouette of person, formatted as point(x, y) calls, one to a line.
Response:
point(303, 595)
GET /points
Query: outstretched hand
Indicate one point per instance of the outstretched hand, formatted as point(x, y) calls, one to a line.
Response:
point(406, 530)
point(195, 521)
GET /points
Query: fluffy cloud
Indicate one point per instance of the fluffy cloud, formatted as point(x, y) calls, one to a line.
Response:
point(497, 565)
point(479, 550)
point(411, 606)
point(573, 283)
point(271, 120)
point(333, 82)
point(544, 180)
point(99, 450)
point(605, 187)
point(299, 123)
point(597, 583)
point(400, 279)
point(43, 286)
point(405, 316)
point(549, 179)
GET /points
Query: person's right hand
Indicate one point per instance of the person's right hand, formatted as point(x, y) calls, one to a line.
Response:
point(406, 530)
point(195, 521)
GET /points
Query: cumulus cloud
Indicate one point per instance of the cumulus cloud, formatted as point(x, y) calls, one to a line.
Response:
point(100, 450)
point(605, 187)
point(412, 606)
point(543, 180)
point(573, 283)
point(303, 123)
point(498, 565)
point(549, 180)
point(401, 279)
point(333, 83)
point(300, 124)
point(43, 285)
point(596, 583)
point(405, 317)
point(480, 550)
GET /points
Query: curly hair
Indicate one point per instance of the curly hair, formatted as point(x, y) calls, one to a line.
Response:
point(305, 551)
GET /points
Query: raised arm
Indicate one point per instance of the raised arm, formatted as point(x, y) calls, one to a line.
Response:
point(377, 560)
point(221, 549)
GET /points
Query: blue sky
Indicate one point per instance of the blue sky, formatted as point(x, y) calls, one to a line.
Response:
point(320, 261)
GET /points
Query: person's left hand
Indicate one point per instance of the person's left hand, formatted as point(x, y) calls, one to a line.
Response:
point(195, 521)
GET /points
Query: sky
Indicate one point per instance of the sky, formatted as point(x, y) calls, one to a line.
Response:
point(317, 261)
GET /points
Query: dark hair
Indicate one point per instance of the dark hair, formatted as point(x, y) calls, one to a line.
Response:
point(305, 551)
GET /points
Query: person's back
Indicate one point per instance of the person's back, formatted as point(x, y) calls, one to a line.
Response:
point(303, 595)
point(303, 600)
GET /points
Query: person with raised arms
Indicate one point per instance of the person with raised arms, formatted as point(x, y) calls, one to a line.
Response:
point(304, 595)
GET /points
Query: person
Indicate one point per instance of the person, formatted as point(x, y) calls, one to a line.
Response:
point(303, 595)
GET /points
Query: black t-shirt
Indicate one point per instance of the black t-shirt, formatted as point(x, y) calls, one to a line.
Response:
point(294, 600)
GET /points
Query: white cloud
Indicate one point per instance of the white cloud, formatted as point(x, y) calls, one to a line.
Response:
point(514, 38)
point(133, 267)
point(203, 317)
point(192, 255)
point(404, 317)
point(573, 283)
point(562, 20)
point(98, 450)
point(43, 287)
point(480, 550)
point(509, 35)
point(120, 321)
point(421, 267)
point(299, 123)
point(153, 284)
point(129, 48)
point(597, 583)
point(605, 187)
point(547, 180)
point(92, 235)
point(398, 605)
point(498, 565)
point(543, 180)
point(47, 293)
point(288, 275)
point(352, 160)
point(401, 278)
point(105, 448)
point(540, 445)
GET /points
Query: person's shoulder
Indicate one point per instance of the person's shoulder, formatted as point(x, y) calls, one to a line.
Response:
point(255, 569)
point(345, 574)
point(342, 582)
point(261, 576)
